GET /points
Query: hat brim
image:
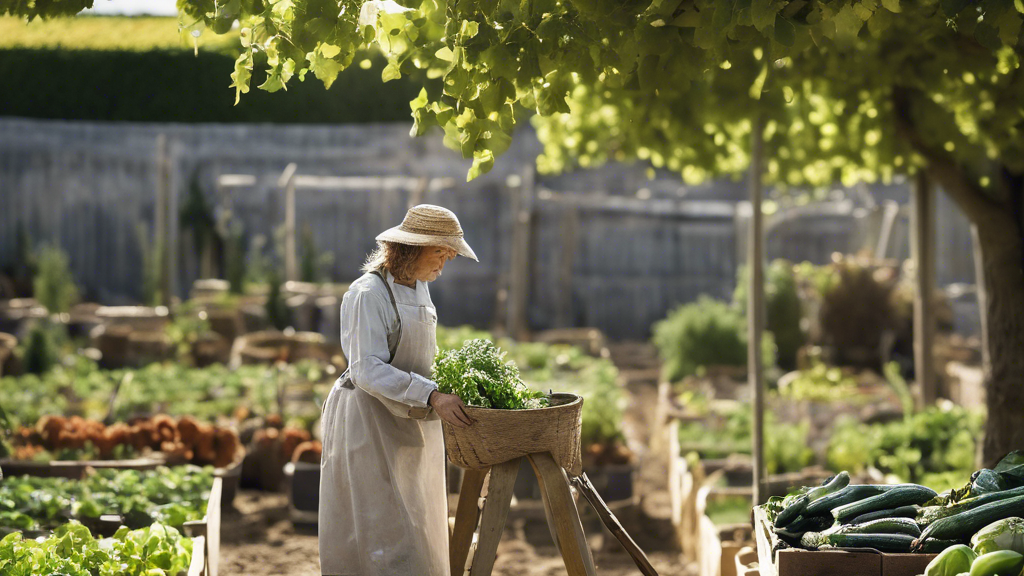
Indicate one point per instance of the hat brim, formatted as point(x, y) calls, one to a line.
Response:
point(400, 236)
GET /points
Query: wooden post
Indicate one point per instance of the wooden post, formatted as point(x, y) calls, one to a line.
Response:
point(519, 276)
point(756, 307)
point(173, 248)
point(982, 294)
point(923, 252)
point(570, 231)
point(160, 218)
point(287, 181)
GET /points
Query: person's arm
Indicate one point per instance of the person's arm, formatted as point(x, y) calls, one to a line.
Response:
point(365, 318)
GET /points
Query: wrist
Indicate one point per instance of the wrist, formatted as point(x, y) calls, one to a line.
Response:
point(430, 398)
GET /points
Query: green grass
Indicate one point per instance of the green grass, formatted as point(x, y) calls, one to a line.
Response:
point(109, 33)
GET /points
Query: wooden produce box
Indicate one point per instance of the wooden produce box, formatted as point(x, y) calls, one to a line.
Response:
point(774, 561)
point(205, 535)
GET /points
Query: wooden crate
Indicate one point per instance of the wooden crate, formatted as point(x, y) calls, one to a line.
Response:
point(774, 561)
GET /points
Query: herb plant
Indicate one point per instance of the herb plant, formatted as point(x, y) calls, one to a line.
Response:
point(479, 374)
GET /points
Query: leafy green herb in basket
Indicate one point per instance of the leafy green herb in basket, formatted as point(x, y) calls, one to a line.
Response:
point(479, 374)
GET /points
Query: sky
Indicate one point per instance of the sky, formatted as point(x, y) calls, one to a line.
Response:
point(133, 7)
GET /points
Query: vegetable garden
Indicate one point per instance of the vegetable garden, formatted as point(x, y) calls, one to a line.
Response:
point(824, 419)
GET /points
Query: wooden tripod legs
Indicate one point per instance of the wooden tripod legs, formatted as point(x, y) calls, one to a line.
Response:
point(563, 516)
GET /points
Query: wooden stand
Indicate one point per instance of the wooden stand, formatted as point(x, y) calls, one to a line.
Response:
point(560, 509)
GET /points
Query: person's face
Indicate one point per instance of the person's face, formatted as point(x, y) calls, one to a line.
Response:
point(430, 263)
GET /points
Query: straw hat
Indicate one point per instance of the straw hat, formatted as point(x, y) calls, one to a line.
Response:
point(429, 225)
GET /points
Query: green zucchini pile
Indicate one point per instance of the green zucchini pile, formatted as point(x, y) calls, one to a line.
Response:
point(906, 517)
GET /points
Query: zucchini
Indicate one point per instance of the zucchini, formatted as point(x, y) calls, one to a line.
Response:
point(961, 526)
point(901, 495)
point(794, 530)
point(930, 514)
point(1000, 563)
point(933, 546)
point(796, 508)
point(883, 526)
point(880, 542)
point(900, 512)
point(845, 496)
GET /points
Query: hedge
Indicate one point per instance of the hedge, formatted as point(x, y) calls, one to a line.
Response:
point(178, 86)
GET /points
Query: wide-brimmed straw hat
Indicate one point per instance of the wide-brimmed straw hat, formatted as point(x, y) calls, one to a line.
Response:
point(429, 225)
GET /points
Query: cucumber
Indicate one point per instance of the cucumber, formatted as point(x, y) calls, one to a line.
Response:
point(883, 526)
point(999, 563)
point(933, 546)
point(845, 496)
point(961, 526)
point(789, 514)
point(880, 542)
point(901, 495)
point(900, 512)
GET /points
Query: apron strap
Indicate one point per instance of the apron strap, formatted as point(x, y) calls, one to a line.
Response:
point(394, 304)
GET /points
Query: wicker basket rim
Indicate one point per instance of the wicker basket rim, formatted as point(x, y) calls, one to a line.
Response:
point(576, 400)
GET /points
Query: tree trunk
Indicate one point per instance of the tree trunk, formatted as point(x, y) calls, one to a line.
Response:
point(1002, 252)
point(1001, 233)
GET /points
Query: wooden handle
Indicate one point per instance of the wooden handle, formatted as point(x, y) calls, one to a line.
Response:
point(582, 483)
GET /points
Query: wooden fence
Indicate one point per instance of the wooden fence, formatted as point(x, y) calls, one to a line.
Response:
point(604, 258)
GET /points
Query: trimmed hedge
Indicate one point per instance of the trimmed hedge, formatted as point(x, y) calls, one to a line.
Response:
point(177, 86)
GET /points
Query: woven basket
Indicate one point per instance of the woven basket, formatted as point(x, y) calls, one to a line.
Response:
point(501, 435)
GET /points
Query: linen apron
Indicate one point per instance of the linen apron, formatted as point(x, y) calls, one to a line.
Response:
point(383, 501)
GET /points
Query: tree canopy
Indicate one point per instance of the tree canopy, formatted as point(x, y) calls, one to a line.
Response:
point(678, 83)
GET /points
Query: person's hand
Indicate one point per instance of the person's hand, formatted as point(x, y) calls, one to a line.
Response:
point(450, 408)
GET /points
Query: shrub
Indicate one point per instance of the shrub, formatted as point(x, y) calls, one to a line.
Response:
point(54, 284)
point(927, 445)
point(707, 332)
point(784, 309)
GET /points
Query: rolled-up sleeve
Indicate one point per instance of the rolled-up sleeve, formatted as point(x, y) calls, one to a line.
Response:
point(365, 316)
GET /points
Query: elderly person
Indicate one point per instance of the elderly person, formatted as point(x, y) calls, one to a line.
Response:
point(383, 501)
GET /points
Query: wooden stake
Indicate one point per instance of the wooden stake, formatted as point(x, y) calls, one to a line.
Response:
point(287, 181)
point(923, 252)
point(584, 485)
point(755, 306)
point(466, 517)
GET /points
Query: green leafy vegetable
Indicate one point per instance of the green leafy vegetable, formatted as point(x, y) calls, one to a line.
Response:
point(72, 551)
point(479, 374)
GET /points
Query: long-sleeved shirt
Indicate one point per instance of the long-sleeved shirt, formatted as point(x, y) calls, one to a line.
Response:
point(369, 330)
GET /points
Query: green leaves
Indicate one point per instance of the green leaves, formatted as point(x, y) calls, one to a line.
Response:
point(478, 373)
point(72, 551)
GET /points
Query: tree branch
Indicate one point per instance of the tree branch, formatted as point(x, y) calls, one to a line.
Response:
point(941, 165)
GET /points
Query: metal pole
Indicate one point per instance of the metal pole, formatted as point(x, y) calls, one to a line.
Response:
point(287, 181)
point(923, 250)
point(755, 306)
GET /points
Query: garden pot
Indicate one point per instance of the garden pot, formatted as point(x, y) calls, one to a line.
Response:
point(209, 288)
point(303, 480)
point(140, 318)
point(16, 311)
point(147, 347)
point(498, 436)
point(112, 343)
